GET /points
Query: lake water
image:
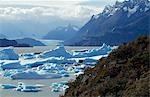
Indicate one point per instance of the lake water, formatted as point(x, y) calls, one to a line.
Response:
point(51, 44)
point(46, 91)
point(39, 49)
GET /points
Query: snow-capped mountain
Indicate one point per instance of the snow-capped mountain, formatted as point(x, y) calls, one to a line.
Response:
point(119, 23)
point(30, 42)
point(62, 33)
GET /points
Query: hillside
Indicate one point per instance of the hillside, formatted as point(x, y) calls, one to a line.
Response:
point(124, 73)
point(6, 43)
point(123, 21)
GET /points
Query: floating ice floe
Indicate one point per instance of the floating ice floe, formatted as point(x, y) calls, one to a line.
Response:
point(8, 73)
point(52, 68)
point(40, 62)
point(61, 60)
point(56, 63)
point(7, 86)
point(8, 54)
point(63, 73)
point(58, 87)
point(57, 52)
point(104, 49)
point(35, 63)
point(11, 65)
point(22, 87)
point(27, 88)
point(28, 56)
point(34, 75)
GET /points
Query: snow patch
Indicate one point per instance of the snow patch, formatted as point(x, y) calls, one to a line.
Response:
point(132, 10)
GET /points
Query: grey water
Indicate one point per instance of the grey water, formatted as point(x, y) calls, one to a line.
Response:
point(46, 91)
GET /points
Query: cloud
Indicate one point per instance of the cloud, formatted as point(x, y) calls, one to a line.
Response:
point(64, 12)
point(30, 16)
point(39, 20)
point(42, 9)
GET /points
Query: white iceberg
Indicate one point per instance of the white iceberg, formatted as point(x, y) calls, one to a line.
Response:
point(63, 73)
point(61, 60)
point(9, 72)
point(27, 88)
point(57, 52)
point(7, 86)
point(103, 50)
point(11, 65)
point(28, 56)
point(39, 62)
point(34, 75)
point(8, 54)
point(58, 87)
point(30, 90)
point(35, 63)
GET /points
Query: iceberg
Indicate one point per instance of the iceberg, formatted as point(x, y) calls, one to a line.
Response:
point(34, 75)
point(103, 50)
point(7, 86)
point(53, 60)
point(61, 61)
point(35, 63)
point(27, 88)
point(11, 65)
point(58, 87)
point(57, 52)
point(8, 54)
point(28, 56)
point(30, 90)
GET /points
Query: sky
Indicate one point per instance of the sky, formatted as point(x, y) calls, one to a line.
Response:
point(41, 16)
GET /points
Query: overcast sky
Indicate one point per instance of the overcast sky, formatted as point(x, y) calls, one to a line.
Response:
point(44, 15)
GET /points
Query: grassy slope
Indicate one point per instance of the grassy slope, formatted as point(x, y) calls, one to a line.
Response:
point(124, 73)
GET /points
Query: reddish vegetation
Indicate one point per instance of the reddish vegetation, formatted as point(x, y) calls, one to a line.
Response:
point(124, 73)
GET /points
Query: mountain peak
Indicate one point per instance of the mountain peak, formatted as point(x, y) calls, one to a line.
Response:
point(67, 27)
point(122, 21)
point(62, 32)
point(127, 6)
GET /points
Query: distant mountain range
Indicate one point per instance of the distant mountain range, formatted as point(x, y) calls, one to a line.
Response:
point(117, 24)
point(62, 33)
point(30, 41)
point(14, 43)
point(25, 42)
